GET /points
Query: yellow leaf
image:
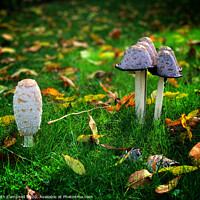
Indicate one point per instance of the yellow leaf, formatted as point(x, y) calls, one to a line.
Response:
point(96, 38)
point(177, 170)
point(107, 54)
point(7, 50)
point(60, 56)
point(24, 70)
point(182, 95)
point(194, 113)
point(2, 88)
point(6, 120)
point(94, 97)
point(88, 138)
point(123, 159)
point(171, 94)
point(51, 91)
point(75, 165)
point(184, 124)
point(66, 98)
point(167, 187)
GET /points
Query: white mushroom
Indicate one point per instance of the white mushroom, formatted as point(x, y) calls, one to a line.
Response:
point(27, 104)
point(166, 68)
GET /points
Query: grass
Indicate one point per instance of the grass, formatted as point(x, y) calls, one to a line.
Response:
point(43, 168)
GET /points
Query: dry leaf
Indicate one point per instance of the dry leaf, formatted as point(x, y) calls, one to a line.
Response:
point(168, 186)
point(100, 74)
point(7, 50)
point(173, 82)
point(66, 71)
point(88, 138)
point(96, 38)
point(68, 82)
point(115, 33)
point(24, 70)
point(80, 44)
point(6, 120)
point(32, 49)
point(7, 36)
point(32, 195)
point(75, 165)
point(8, 141)
point(195, 154)
point(140, 179)
point(50, 91)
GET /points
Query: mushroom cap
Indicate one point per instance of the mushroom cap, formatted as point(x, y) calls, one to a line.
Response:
point(135, 58)
point(166, 48)
point(150, 42)
point(27, 105)
point(166, 65)
point(150, 51)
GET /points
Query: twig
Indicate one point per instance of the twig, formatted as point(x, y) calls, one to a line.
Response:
point(50, 122)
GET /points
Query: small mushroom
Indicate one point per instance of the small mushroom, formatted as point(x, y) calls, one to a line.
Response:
point(27, 105)
point(166, 68)
point(137, 59)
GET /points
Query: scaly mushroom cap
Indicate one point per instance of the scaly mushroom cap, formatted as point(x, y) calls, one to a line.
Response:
point(135, 58)
point(150, 42)
point(149, 49)
point(27, 104)
point(172, 52)
point(166, 65)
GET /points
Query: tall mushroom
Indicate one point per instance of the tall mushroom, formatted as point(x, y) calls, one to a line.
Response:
point(166, 68)
point(27, 105)
point(137, 59)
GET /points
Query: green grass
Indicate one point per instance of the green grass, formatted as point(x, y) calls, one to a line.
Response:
point(42, 167)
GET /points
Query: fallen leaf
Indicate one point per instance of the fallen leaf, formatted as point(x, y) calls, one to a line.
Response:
point(80, 44)
point(120, 149)
point(8, 60)
point(32, 48)
point(67, 99)
point(92, 97)
point(107, 54)
point(93, 125)
point(50, 91)
point(6, 120)
point(32, 195)
point(8, 141)
point(173, 82)
point(115, 33)
point(88, 138)
point(96, 38)
point(7, 50)
point(68, 82)
point(66, 71)
point(100, 74)
point(178, 170)
point(159, 161)
point(168, 186)
point(184, 124)
point(7, 36)
point(26, 71)
point(140, 179)
point(75, 165)
point(195, 154)
point(2, 88)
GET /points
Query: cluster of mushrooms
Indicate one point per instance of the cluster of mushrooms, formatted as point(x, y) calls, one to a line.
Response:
point(143, 56)
point(27, 100)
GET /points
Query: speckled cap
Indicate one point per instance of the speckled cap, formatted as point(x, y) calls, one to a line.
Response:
point(166, 65)
point(166, 48)
point(150, 42)
point(135, 58)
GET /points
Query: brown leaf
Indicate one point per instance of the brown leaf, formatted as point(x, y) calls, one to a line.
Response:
point(8, 141)
point(32, 48)
point(120, 149)
point(100, 74)
point(80, 44)
point(68, 82)
point(66, 71)
point(115, 33)
point(140, 179)
point(195, 154)
point(8, 60)
point(32, 195)
point(96, 38)
point(7, 36)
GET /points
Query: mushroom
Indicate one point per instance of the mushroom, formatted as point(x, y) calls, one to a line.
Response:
point(166, 68)
point(27, 105)
point(137, 59)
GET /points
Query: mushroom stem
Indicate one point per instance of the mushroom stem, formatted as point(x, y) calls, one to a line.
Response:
point(138, 94)
point(28, 140)
point(159, 98)
point(143, 83)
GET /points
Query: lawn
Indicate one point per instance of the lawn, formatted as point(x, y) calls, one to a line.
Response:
point(83, 41)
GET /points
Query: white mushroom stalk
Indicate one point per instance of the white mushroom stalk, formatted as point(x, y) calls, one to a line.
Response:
point(137, 59)
point(166, 68)
point(27, 104)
